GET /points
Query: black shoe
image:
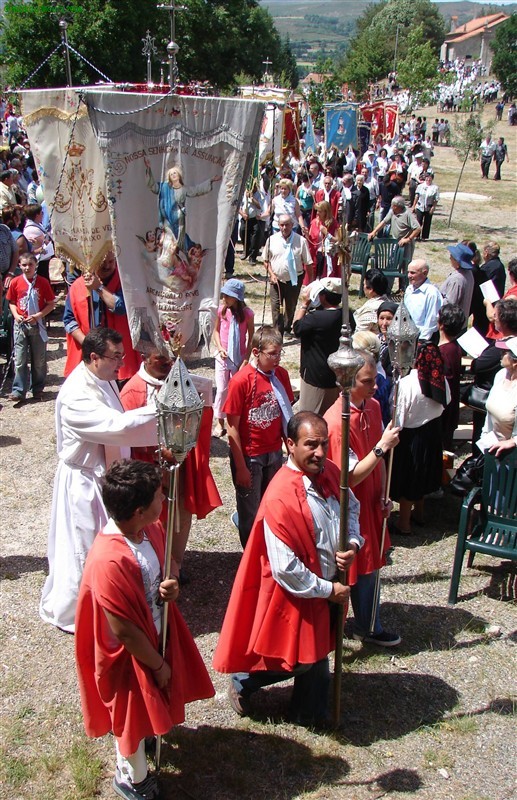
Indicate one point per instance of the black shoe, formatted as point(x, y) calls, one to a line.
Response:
point(382, 639)
point(147, 789)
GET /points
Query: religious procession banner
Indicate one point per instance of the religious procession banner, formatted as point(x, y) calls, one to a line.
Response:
point(310, 139)
point(291, 142)
point(271, 135)
point(383, 117)
point(71, 170)
point(340, 125)
point(175, 167)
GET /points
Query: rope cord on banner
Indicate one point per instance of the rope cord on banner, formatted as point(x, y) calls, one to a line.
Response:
point(88, 62)
point(132, 111)
point(40, 66)
point(58, 187)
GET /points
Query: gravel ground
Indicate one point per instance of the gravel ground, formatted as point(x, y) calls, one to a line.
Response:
point(433, 719)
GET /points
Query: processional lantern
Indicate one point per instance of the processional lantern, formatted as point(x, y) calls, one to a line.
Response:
point(345, 363)
point(402, 337)
point(179, 409)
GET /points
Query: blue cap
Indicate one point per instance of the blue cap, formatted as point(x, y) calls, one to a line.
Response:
point(462, 254)
point(233, 288)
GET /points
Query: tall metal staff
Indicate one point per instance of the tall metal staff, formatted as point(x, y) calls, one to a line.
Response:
point(402, 336)
point(178, 409)
point(344, 362)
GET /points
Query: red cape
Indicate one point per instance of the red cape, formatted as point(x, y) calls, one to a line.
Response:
point(265, 626)
point(79, 296)
point(118, 693)
point(200, 492)
point(365, 432)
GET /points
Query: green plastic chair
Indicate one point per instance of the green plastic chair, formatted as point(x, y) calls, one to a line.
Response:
point(360, 258)
point(488, 520)
point(389, 258)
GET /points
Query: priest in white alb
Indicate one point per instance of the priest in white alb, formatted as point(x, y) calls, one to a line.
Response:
point(93, 430)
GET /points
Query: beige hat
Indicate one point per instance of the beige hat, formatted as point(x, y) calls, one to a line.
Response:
point(331, 285)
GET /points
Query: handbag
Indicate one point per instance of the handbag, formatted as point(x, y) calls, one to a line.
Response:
point(474, 397)
point(468, 475)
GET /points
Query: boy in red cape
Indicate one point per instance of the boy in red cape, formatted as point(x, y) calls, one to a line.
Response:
point(126, 686)
point(277, 624)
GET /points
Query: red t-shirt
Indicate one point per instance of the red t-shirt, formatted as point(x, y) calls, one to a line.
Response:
point(19, 289)
point(251, 397)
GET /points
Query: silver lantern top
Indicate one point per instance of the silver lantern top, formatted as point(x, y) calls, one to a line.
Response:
point(402, 336)
point(179, 409)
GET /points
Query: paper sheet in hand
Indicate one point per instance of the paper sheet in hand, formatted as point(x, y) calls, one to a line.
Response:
point(489, 291)
point(473, 343)
point(486, 441)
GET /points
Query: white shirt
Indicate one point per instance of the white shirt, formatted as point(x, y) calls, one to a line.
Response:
point(275, 252)
point(287, 569)
point(414, 409)
point(424, 304)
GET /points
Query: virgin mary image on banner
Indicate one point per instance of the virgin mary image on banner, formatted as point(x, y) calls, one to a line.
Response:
point(178, 258)
point(175, 172)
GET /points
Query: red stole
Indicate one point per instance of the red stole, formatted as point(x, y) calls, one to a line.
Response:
point(118, 693)
point(265, 626)
point(79, 300)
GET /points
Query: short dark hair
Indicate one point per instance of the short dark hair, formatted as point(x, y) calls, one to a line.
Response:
point(452, 319)
point(377, 281)
point(507, 313)
point(128, 485)
point(512, 268)
point(302, 418)
point(31, 211)
point(332, 298)
point(6, 173)
point(96, 341)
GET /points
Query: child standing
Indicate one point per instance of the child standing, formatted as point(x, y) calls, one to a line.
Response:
point(232, 336)
point(258, 408)
point(126, 686)
point(30, 299)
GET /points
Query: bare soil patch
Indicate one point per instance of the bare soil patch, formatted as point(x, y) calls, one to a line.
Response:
point(432, 719)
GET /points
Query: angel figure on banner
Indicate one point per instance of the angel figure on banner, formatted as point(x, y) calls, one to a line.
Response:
point(172, 197)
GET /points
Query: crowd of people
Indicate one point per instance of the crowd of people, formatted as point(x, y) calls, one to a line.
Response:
point(106, 541)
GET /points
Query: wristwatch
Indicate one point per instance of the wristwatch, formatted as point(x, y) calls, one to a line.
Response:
point(378, 451)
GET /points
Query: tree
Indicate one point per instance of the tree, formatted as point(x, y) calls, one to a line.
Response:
point(371, 52)
point(418, 71)
point(466, 139)
point(218, 39)
point(504, 62)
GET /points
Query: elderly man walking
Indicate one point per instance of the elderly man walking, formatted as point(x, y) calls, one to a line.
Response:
point(286, 256)
point(422, 299)
point(404, 226)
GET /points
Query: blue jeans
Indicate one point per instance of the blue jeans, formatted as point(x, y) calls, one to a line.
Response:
point(27, 341)
point(362, 595)
point(309, 699)
point(262, 469)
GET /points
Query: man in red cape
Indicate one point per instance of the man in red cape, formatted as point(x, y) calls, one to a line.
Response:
point(98, 295)
point(277, 624)
point(198, 492)
point(126, 686)
point(368, 445)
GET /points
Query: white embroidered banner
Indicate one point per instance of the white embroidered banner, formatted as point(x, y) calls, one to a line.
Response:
point(176, 168)
point(71, 170)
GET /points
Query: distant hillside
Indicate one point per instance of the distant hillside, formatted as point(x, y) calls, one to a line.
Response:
point(323, 27)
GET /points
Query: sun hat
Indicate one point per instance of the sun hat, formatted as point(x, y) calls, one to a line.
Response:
point(233, 288)
point(462, 254)
point(508, 344)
